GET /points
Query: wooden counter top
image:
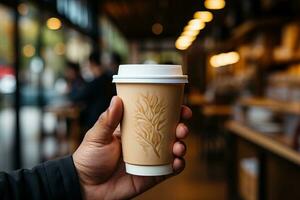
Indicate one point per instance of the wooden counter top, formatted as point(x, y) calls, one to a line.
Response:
point(273, 145)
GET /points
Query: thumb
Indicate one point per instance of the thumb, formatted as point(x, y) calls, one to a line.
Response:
point(102, 131)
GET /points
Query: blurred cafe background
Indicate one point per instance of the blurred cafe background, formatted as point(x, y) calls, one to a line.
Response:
point(243, 62)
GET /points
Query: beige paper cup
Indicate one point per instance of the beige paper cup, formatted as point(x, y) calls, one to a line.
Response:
point(152, 97)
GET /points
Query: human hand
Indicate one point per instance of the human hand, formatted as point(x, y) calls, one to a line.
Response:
point(99, 164)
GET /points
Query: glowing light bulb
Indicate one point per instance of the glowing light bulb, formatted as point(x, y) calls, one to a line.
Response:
point(157, 28)
point(205, 16)
point(183, 42)
point(28, 50)
point(192, 33)
point(224, 59)
point(54, 23)
point(214, 4)
point(195, 24)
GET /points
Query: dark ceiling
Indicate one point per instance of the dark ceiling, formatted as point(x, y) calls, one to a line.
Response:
point(136, 17)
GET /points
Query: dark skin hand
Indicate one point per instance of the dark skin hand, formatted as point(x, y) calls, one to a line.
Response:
point(100, 166)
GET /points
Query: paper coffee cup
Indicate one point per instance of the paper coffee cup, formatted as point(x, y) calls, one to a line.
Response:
point(152, 96)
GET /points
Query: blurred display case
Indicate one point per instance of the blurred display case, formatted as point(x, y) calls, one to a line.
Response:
point(46, 40)
point(7, 87)
point(266, 113)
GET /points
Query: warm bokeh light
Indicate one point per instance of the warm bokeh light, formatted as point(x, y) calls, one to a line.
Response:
point(179, 45)
point(53, 23)
point(191, 33)
point(60, 49)
point(28, 50)
point(23, 9)
point(205, 16)
point(214, 4)
point(183, 42)
point(192, 29)
point(157, 28)
point(224, 59)
point(195, 24)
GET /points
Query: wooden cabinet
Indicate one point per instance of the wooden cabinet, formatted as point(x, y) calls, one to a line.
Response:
point(279, 164)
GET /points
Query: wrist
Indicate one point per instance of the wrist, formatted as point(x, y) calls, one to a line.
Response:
point(80, 176)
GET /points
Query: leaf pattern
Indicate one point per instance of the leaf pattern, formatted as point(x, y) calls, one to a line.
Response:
point(149, 122)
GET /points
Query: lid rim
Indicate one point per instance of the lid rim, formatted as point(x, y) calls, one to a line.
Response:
point(151, 65)
point(173, 81)
point(151, 73)
point(151, 77)
point(138, 70)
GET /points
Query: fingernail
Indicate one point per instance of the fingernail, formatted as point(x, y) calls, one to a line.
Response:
point(112, 101)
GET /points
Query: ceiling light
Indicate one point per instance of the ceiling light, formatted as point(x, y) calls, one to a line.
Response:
point(28, 50)
point(224, 59)
point(157, 28)
point(186, 40)
point(183, 42)
point(195, 24)
point(205, 16)
point(214, 4)
point(192, 33)
point(180, 46)
point(53, 23)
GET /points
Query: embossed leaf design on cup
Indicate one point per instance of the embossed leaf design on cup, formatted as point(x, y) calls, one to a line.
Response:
point(150, 119)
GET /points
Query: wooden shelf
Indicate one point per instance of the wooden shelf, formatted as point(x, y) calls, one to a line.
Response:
point(197, 99)
point(276, 106)
point(217, 110)
point(287, 61)
point(271, 144)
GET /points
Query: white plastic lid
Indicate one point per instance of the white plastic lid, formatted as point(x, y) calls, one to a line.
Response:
point(150, 73)
point(149, 170)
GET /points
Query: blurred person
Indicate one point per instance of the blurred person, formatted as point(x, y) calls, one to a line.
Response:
point(74, 79)
point(95, 171)
point(116, 60)
point(96, 94)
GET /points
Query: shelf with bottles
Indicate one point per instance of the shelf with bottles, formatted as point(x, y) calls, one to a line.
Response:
point(274, 105)
point(281, 91)
point(288, 51)
point(270, 42)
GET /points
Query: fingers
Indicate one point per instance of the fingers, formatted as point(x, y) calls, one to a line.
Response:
point(186, 112)
point(103, 129)
point(182, 131)
point(178, 165)
point(179, 149)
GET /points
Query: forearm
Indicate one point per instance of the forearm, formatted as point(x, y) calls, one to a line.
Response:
point(51, 180)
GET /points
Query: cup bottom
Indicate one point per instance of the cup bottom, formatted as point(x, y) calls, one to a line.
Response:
point(140, 170)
